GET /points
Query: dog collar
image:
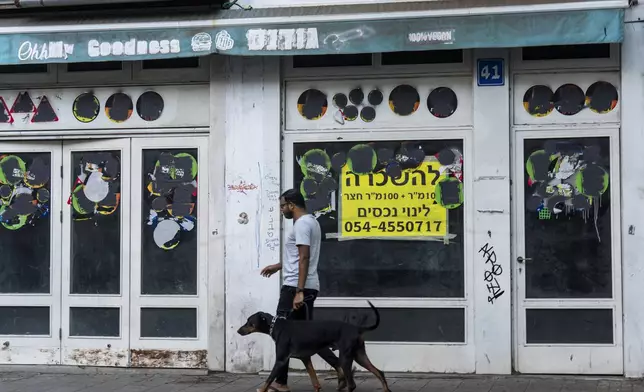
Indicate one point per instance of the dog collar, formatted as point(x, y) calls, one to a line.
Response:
point(275, 318)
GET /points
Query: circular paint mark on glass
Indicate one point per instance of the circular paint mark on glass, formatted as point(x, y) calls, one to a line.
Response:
point(361, 159)
point(368, 114)
point(86, 107)
point(12, 169)
point(442, 102)
point(119, 107)
point(601, 97)
point(312, 104)
point(340, 100)
point(569, 99)
point(149, 106)
point(5, 192)
point(356, 96)
point(338, 161)
point(538, 101)
point(350, 113)
point(375, 97)
point(404, 100)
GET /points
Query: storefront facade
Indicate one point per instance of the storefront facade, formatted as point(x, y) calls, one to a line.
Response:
point(484, 199)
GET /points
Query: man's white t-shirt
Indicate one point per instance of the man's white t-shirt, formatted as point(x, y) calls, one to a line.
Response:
point(306, 231)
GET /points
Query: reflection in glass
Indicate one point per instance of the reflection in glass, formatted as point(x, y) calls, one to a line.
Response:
point(568, 218)
point(25, 226)
point(169, 222)
point(425, 261)
point(96, 222)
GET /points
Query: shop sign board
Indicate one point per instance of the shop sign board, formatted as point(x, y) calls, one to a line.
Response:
point(376, 205)
point(341, 37)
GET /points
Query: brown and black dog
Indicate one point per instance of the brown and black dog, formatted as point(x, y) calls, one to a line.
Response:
point(302, 339)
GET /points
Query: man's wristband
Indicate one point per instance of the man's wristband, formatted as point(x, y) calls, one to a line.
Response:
point(299, 290)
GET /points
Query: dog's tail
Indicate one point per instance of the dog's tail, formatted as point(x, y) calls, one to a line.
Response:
point(376, 324)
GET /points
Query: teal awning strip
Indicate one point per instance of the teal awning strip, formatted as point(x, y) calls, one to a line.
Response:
point(463, 32)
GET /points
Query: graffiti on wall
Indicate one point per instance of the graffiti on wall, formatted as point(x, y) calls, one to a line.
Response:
point(566, 178)
point(24, 190)
point(97, 189)
point(492, 272)
point(172, 196)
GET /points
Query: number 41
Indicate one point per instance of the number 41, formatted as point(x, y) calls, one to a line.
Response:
point(485, 72)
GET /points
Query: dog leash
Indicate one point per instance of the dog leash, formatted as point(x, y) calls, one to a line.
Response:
point(290, 313)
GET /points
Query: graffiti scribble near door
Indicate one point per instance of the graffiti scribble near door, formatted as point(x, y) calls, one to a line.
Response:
point(97, 189)
point(566, 178)
point(24, 189)
point(172, 196)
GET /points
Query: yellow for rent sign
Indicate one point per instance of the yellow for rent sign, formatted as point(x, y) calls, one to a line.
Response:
point(377, 205)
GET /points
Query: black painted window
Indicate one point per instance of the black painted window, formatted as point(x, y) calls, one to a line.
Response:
point(96, 222)
point(568, 218)
point(25, 222)
point(384, 267)
point(439, 325)
point(168, 322)
point(169, 222)
point(95, 322)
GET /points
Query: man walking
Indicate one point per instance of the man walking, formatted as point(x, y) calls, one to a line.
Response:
point(301, 283)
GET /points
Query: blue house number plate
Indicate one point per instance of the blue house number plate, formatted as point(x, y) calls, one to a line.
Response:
point(490, 72)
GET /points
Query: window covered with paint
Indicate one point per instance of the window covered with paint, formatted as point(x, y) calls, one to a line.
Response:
point(25, 230)
point(169, 238)
point(96, 222)
point(391, 213)
point(568, 218)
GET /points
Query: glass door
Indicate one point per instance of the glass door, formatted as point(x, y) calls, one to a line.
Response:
point(567, 252)
point(169, 228)
point(30, 238)
point(96, 245)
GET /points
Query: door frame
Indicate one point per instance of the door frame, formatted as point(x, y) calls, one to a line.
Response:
point(178, 352)
point(544, 353)
point(97, 351)
point(43, 349)
point(407, 356)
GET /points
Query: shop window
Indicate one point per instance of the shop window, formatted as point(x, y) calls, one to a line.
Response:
point(569, 326)
point(566, 52)
point(423, 57)
point(24, 69)
point(391, 213)
point(185, 62)
point(333, 60)
point(439, 325)
point(95, 66)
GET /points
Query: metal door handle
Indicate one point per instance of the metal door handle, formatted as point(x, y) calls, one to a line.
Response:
point(521, 259)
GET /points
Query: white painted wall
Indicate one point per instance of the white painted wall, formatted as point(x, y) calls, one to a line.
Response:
point(632, 142)
point(492, 322)
point(251, 153)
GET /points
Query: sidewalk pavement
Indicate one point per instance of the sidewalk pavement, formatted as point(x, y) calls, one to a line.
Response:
point(222, 382)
